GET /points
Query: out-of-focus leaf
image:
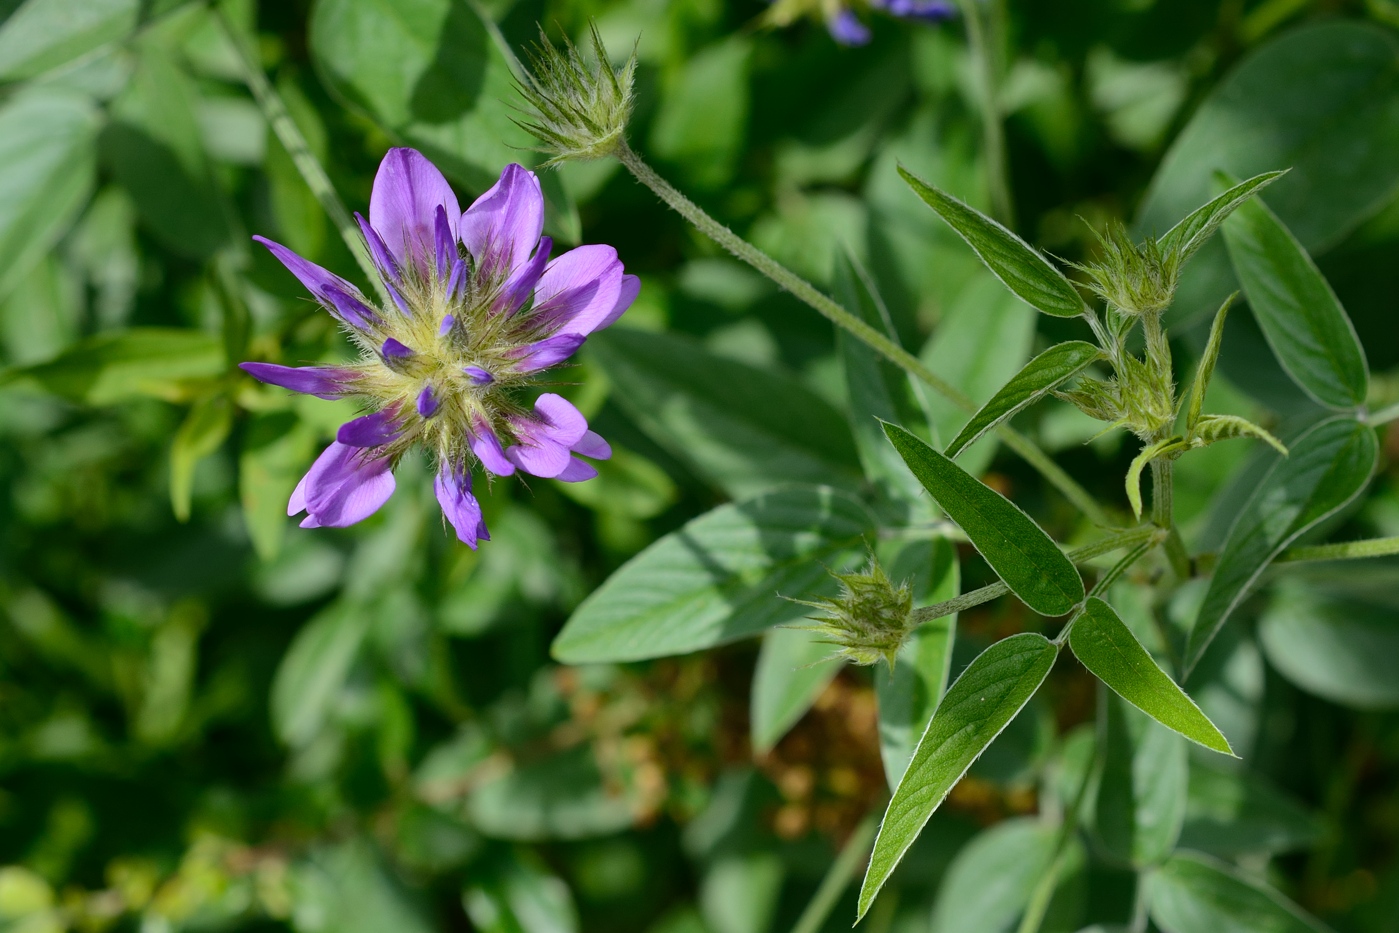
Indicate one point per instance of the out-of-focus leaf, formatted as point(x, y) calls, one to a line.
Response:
point(428, 72)
point(717, 578)
point(1044, 372)
point(1191, 233)
point(1337, 648)
point(203, 432)
point(301, 223)
point(1027, 559)
point(521, 897)
point(276, 451)
point(1195, 894)
point(44, 34)
point(1024, 271)
point(1300, 315)
point(349, 889)
point(41, 316)
point(109, 368)
point(1322, 100)
point(155, 149)
point(1231, 813)
point(910, 693)
point(562, 797)
point(313, 671)
point(1327, 468)
point(1142, 790)
point(47, 171)
point(744, 428)
point(1204, 372)
point(703, 113)
point(982, 702)
point(740, 891)
point(1109, 649)
point(991, 881)
point(794, 666)
point(627, 484)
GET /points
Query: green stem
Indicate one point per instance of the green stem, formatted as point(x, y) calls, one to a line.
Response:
point(834, 312)
point(1344, 550)
point(1121, 567)
point(839, 876)
point(1044, 889)
point(1163, 515)
point(1383, 416)
point(287, 132)
point(984, 31)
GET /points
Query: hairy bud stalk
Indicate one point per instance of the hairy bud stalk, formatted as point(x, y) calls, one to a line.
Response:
point(870, 619)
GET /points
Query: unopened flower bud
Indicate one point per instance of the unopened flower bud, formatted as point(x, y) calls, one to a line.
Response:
point(1136, 279)
point(580, 109)
point(870, 619)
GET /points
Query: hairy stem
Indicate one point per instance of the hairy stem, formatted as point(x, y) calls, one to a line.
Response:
point(839, 876)
point(985, 28)
point(837, 314)
point(1163, 515)
point(274, 111)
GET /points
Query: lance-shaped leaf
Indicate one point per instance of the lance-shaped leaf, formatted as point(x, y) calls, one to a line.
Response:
point(1327, 468)
point(1027, 559)
point(1212, 428)
point(1023, 270)
point(794, 666)
point(1192, 232)
point(1040, 375)
point(1205, 370)
point(1196, 894)
point(1300, 315)
point(982, 702)
point(1141, 794)
point(717, 578)
point(1134, 472)
point(1107, 647)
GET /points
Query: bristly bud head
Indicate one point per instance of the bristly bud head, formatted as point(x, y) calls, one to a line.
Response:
point(870, 619)
point(1136, 279)
point(580, 109)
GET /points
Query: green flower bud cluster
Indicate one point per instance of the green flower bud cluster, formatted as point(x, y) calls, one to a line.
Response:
point(870, 619)
point(581, 108)
point(1135, 279)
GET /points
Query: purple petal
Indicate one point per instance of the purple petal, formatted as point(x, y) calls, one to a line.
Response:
point(579, 290)
point(478, 376)
point(446, 243)
point(547, 436)
point(339, 297)
point(427, 402)
point(548, 352)
point(342, 487)
point(523, 280)
point(457, 283)
point(502, 226)
point(564, 423)
point(592, 445)
point(486, 446)
point(396, 350)
point(321, 381)
point(631, 287)
point(540, 456)
point(447, 323)
point(297, 502)
point(370, 430)
point(453, 488)
point(847, 29)
point(408, 190)
point(387, 265)
point(577, 471)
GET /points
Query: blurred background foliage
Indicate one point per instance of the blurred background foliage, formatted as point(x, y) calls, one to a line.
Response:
point(210, 719)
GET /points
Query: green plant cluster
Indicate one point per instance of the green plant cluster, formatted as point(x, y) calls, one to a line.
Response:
point(939, 335)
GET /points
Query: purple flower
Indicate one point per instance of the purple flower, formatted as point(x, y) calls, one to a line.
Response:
point(847, 29)
point(479, 310)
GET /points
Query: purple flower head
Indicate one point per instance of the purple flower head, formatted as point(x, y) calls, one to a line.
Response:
point(847, 29)
point(479, 311)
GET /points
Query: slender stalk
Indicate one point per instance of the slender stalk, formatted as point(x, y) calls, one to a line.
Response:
point(984, 30)
point(837, 314)
point(1163, 515)
point(1344, 550)
point(1044, 890)
point(838, 876)
point(1121, 567)
point(274, 111)
point(1383, 416)
point(1139, 912)
point(966, 601)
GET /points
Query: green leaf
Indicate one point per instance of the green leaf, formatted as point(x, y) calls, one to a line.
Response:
point(1139, 462)
point(1044, 372)
point(1029, 562)
point(1102, 641)
point(1196, 894)
point(1319, 96)
point(204, 430)
point(740, 892)
point(428, 72)
point(45, 34)
point(703, 113)
point(1328, 467)
point(794, 666)
point(142, 361)
point(1337, 647)
point(47, 171)
point(1213, 428)
point(990, 882)
point(1231, 812)
point(1300, 315)
point(1140, 806)
point(717, 579)
point(982, 702)
point(520, 896)
point(351, 890)
point(1191, 233)
point(879, 391)
point(1205, 371)
point(313, 671)
point(275, 454)
point(909, 694)
point(560, 797)
point(1024, 271)
point(744, 428)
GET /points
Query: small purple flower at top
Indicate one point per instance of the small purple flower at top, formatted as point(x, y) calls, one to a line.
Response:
point(847, 29)
point(478, 311)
